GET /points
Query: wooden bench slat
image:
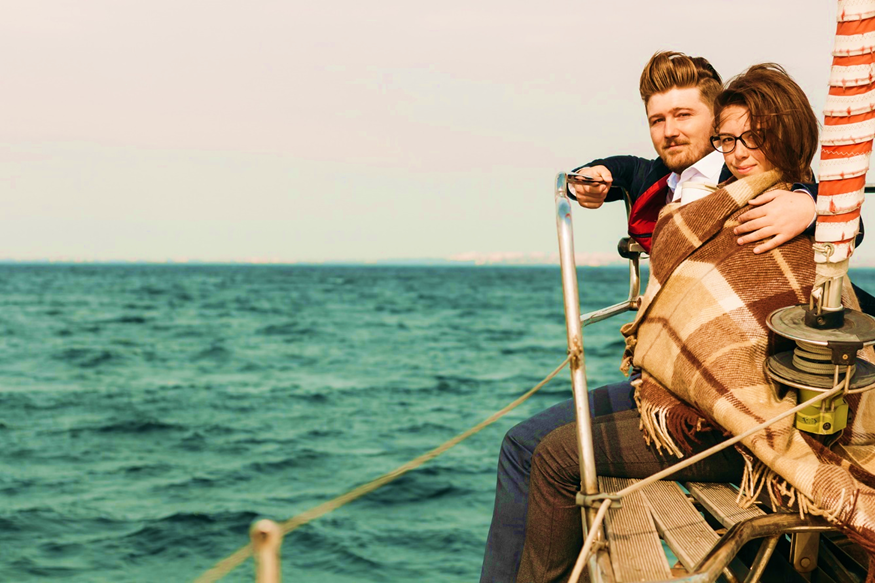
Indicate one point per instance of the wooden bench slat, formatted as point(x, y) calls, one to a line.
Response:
point(682, 527)
point(719, 500)
point(635, 548)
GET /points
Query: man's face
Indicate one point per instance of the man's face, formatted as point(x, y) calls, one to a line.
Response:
point(680, 127)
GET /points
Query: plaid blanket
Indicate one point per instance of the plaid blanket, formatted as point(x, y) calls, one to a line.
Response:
point(701, 342)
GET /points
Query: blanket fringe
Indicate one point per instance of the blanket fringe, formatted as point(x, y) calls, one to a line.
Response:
point(626, 364)
point(755, 476)
point(653, 424)
point(782, 494)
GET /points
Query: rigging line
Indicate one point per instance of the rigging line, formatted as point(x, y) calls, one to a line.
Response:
point(640, 485)
point(235, 559)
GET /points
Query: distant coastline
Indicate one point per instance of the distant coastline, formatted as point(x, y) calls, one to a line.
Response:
point(469, 259)
point(460, 260)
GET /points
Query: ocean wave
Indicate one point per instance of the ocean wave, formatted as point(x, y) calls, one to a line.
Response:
point(611, 347)
point(315, 398)
point(198, 482)
point(177, 535)
point(337, 558)
point(126, 320)
point(34, 567)
point(136, 426)
point(186, 332)
point(295, 329)
point(455, 384)
point(215, 353)
point(146, 470)
point(530, 350)
point(423, 428)
point(53, 523)
point(415, 487)
point(200, 518)
point(90, 357)
point(302, 458)
point(140, 307)
point(152, 291)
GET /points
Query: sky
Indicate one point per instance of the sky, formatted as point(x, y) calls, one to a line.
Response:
point(340, 130)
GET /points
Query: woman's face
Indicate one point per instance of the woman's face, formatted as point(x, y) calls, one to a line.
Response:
point(742, 161)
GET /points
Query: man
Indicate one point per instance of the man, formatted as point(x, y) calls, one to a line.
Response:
point(678, 92)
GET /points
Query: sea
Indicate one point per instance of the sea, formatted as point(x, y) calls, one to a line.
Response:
point(150, 413)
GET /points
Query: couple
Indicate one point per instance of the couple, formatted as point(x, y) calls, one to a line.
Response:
point(760, 128)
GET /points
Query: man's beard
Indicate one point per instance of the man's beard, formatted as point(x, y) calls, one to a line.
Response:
point(680, 160)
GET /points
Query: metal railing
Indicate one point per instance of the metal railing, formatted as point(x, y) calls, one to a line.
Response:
point(267, 540)
point(574, 323)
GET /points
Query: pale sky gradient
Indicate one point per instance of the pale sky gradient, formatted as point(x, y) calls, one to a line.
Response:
point(342, 130)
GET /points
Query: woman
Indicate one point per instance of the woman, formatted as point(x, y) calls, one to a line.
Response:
point(767, 132)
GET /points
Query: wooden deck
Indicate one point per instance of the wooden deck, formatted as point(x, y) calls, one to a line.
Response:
point(664, 512)
point(636, 552)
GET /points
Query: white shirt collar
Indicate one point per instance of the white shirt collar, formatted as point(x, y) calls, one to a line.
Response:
point(705, 170)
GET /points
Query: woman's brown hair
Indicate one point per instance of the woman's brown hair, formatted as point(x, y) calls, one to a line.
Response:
point(780, 113)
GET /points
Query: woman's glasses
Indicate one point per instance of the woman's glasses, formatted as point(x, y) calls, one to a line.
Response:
point(725, 143)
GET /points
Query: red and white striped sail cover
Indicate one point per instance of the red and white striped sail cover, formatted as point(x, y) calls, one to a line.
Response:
point(849, 127)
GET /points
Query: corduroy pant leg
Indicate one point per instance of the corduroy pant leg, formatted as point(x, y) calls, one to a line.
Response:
point(553, 529)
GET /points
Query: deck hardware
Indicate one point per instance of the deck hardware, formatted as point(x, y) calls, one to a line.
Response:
point(594, 500)
point(823, 357)
point(267, 538)
point(844, 352)
point(628, 248)
point(803, 551)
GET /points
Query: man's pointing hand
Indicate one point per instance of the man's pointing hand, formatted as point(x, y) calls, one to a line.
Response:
point(592, 195)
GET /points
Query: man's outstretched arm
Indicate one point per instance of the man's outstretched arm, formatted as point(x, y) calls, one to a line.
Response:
point(621, 174)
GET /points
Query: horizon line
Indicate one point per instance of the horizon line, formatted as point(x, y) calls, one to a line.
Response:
point(419, 262)
point(328, 262)
point(468, 258)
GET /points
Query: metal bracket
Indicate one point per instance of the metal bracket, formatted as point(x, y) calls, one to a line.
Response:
point(628, 248)
point(804, 548)
point(844, 353)
point(820, 318)
point(599, 544)
point(594, 500)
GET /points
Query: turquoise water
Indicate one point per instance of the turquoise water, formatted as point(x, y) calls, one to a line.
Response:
point(148, 414)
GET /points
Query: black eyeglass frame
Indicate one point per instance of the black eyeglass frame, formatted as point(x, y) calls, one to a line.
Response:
point(715, 140)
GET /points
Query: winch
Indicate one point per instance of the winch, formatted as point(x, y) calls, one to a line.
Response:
point(827, 340)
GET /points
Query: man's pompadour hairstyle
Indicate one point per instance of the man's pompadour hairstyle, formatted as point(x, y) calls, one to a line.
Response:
point(668, 69)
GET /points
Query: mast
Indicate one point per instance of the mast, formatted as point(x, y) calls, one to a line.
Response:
point(828, 335)
point(846, 145)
